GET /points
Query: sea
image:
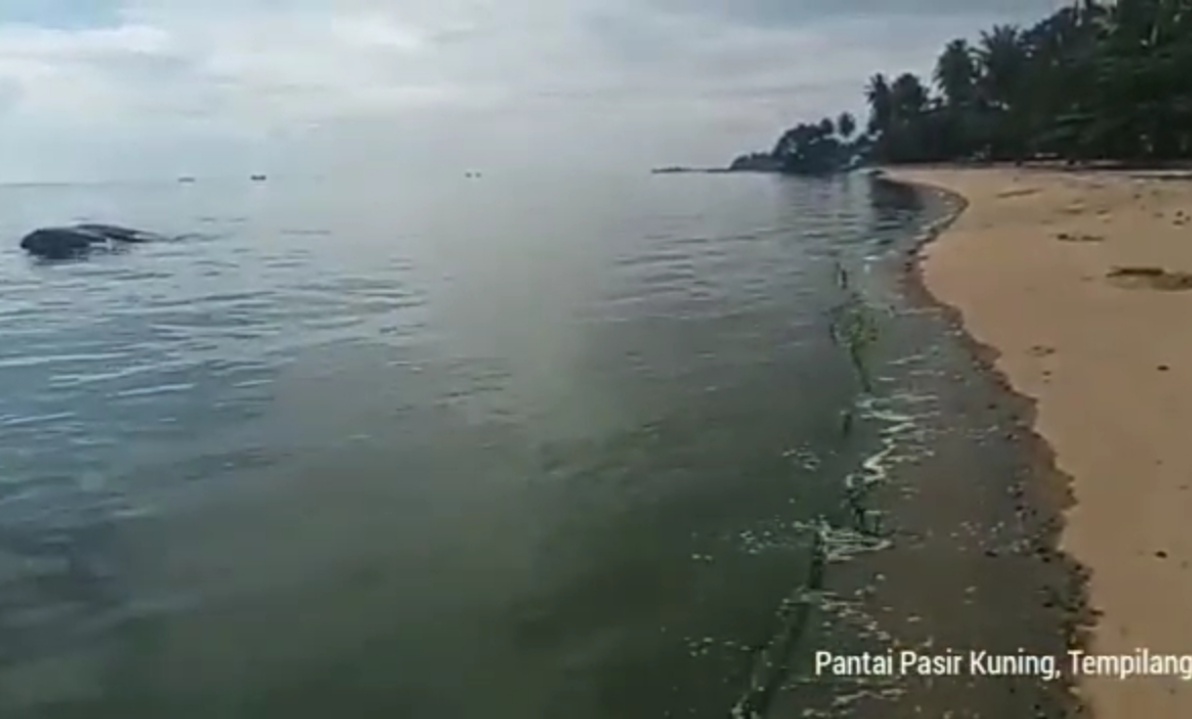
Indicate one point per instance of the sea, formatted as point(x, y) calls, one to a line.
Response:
point(509, 446)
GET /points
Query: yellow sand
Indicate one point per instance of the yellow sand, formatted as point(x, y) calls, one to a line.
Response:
point(1109, 360)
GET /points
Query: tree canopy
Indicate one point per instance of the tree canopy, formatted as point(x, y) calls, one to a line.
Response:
point(1093, 81)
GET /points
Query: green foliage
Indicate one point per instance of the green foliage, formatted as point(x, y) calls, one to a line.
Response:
point(846, 125)
point(811, 148)
point(1094, 80)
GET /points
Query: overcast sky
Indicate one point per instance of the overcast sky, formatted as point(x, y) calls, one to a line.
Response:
point(94, 89)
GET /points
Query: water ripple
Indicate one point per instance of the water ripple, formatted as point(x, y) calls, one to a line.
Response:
point(301, 389)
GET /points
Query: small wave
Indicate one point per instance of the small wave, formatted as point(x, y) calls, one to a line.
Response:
point(898, 427)
point(675, 275)
point(138, 275)
point(13, 421)
point(835, 543)
point(259, 382)
point(330, 323)
point(81, 379)
point(841, 544)
point(253, 299)
point(24, 361)
point(682, 241)
point(305, 232)
point(155, 390)
point(659, 256)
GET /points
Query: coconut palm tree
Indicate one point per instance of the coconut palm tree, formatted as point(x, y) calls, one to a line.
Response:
point(1002, 60)
point(908, 97)
point(1096, 78)
point(956, 75)
point(877, 93)
point(846, 125)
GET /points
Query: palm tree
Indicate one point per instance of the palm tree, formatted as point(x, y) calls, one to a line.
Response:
point(908, 97)
point(905, 138)
point(877, 93)
point(846, 125)
point(956, 75)
point(1003, 96)
point(1060, 91)
point(1096, 78)
point(1002, 59)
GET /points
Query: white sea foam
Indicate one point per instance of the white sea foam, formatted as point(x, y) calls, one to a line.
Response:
point(840, 544)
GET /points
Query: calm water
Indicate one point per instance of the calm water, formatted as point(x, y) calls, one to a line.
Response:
point(511, 447)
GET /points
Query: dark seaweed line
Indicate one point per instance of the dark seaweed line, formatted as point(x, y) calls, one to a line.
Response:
point(772, 662)
point(852, 327)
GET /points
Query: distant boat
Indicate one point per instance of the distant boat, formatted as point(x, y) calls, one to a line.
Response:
point(186, 178)
point(258, 178)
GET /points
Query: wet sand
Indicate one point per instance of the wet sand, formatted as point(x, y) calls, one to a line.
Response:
point(1081, 285)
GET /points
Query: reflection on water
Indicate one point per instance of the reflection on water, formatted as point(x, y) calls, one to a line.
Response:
point(523, 447)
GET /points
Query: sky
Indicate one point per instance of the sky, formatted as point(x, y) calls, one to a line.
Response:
point(125, 89)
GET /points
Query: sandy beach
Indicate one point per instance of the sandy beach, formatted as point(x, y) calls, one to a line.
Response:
point(1075, 280)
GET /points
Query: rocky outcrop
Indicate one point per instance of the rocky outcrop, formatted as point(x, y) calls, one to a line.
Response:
point(76, 240)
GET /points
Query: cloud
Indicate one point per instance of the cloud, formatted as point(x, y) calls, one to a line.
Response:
point(201, 83)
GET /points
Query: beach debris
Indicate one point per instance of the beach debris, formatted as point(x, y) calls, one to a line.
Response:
point(1163, 368)
point(1006, 194)
point(1041, 351)
point(1155, 278)
point(1069, 237)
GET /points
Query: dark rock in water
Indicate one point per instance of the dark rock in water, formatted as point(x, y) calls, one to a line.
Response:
point(62, 242)
point(58, 242)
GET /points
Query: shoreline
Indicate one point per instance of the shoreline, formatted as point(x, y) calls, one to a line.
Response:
point(1081, 327)
point(967, 561)
point(1055, 617)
